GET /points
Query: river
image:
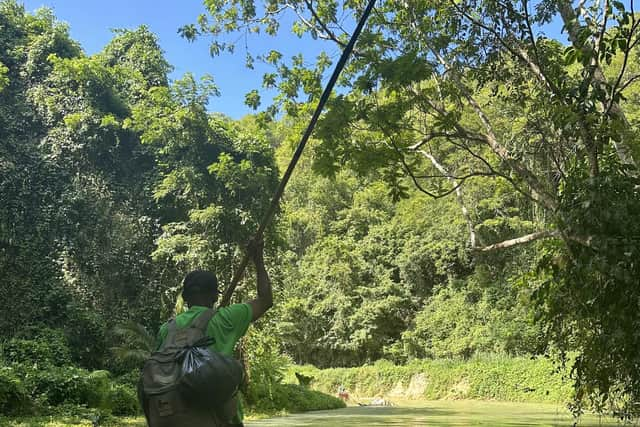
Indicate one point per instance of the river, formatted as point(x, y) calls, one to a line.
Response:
point(438, 414)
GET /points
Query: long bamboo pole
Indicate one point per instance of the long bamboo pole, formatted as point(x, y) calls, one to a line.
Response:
point(275, 201)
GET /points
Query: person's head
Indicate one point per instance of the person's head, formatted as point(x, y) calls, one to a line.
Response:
point(200, 288)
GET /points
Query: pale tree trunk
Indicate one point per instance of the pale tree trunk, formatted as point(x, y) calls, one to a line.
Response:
point(521, 240)
point(459, 196)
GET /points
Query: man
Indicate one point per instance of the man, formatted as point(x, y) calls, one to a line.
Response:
point(226, 327)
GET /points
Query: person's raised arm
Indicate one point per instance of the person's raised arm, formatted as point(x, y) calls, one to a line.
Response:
point(264, 302)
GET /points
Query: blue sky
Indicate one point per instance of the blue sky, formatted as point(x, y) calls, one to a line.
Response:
point(91, 22)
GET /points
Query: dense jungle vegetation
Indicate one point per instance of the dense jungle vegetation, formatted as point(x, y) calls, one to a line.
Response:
point(472, 189)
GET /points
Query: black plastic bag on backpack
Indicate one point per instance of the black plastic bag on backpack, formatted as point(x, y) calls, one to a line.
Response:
point(207, 374)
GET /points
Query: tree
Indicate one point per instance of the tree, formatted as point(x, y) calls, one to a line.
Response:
point(444, 93)
point(359, 269)
point(30, 185)
point(92, 176)
point(214, 178)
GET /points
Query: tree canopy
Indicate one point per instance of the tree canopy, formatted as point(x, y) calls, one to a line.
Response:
point(441, 94)
point(115, 182)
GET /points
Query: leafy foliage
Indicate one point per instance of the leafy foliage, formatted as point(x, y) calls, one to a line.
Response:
point(135, 343)
point(512, 379)
point(48, 347)
point(72, 185)
point(266, 365)
point(362, 273)
point(109, 175)
point(460, 323)
point(13, 396)
point(447, 95)
point(459, 129)
point(596, 291)
point(294, 398)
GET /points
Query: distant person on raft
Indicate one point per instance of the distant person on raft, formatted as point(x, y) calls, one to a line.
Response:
point(200, 343)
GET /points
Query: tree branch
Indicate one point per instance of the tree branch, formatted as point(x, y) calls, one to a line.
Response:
point(518, 53)
point(465, 134)
point(565, 7)
point(328, 33)
point(413, 177)
point(603, 29)
point(532, 38)
point(331, 35)
point(521, 240)
point(625, 61)
point(431, 136)
point(492, 141)
point(457, 177)
point(459, 196)
point(630, 81)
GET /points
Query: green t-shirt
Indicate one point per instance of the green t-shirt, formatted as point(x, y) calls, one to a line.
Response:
point(226, 327)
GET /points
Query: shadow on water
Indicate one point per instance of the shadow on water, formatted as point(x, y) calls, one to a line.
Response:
point(446, 413)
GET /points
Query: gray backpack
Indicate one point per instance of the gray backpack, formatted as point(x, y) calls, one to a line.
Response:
point(183, 380)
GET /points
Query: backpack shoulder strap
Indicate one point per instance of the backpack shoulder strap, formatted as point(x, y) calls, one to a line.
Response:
point(202, 321)
point(169, 340)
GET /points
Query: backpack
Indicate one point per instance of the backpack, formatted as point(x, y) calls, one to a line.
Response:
point(185, 378)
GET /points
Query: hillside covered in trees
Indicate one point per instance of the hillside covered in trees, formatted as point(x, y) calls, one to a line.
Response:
point(471, 189)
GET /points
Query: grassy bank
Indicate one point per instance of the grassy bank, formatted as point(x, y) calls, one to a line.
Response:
point(289, 398)
point(486, 378)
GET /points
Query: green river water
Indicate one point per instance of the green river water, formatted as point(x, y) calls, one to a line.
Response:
point(437, 414)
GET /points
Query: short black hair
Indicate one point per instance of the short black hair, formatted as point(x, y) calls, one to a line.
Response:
point(199, 282)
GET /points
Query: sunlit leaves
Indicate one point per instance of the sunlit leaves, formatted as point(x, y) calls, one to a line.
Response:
point(4, 79)
point(399, 72)
point(252, 99)
point(273, 57)
point(188, 91)
point(138, 50)
point(189, 32)
point(211, 175)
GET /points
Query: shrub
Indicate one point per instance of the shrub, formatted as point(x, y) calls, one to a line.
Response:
point(57, 385)
point(66, 387)
point(130, 379)
point(48, 348)
point(464, 322)
point(86, 327)
point(98, 384)
point(13, 396)
point(291, 398)
point(266, 364)
point(123, 400)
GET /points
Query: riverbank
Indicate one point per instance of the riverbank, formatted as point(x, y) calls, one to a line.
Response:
point(510, 379)
point(491, 378)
